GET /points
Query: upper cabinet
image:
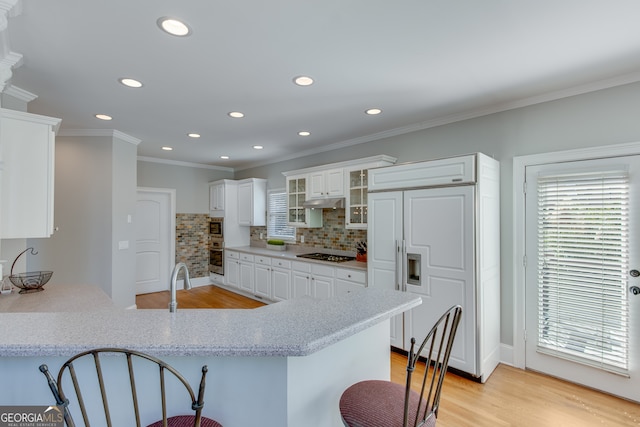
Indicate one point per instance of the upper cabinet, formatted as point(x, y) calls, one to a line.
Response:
point(326, 183)
point(336, 180)
point(252, 202)
point(298, 216)
point(27, 159)
point(216, 196)
point(356, 199)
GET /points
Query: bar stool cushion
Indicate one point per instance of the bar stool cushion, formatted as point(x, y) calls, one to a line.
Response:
point(186, 421)
point(376, 403)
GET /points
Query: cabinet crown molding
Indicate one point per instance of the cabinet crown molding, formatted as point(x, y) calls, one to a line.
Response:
point(345, 164)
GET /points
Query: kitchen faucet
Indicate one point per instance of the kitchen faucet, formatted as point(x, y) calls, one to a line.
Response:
point(173, 305)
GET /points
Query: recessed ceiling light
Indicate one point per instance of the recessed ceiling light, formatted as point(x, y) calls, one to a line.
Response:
point(224, 157)
point(258, 147)
point(167, 148)
point(103, 117)
point(130, 82)
point(193, 135)
point(373, 111)
point(173, 26)
point(303, 81)
point(304, 133)
point(236, 114)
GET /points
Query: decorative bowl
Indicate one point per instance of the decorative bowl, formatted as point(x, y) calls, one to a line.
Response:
point(31, 281)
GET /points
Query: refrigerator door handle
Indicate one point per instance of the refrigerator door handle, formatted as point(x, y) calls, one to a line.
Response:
point(398, 265)
point(403, 266)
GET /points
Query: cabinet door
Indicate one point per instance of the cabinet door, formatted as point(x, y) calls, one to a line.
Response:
point(280, 283)
point(231, 272)
point(356, 199)
point(316, 184)
point(263, 281)
point(301, 284)
point(247, 283)
point(216, 197)
point(334, 182)
point(245, 205)
point(27, 179)
point(322, 286)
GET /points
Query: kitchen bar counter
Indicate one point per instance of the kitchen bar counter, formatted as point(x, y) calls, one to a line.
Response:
point(292, 252)
point(296, 327)
point(285, 364)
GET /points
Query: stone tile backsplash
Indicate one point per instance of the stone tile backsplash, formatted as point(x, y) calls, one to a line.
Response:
point(332, 235)
point(192, 243)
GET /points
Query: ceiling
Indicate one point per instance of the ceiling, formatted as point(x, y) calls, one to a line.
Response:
point(423, 62)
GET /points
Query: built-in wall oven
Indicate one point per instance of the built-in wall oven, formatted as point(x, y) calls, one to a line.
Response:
point(216, 246)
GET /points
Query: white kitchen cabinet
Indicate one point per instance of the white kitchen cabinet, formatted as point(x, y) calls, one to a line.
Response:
point(27, 147)
point(299, 216)
point(314, 280)
point(356, 199)
point(348, 280)
point(441, 242)
point(246, 273)
point(252, 202)
point(232, 269)
point(216, 196)
point(326, 183)
point(262, 272)
point(280, 279)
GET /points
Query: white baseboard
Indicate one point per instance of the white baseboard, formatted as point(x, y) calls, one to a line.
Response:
point(506, 354)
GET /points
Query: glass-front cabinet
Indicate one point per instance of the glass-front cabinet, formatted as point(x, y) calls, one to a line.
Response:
point(298, 215)
point(356, 200)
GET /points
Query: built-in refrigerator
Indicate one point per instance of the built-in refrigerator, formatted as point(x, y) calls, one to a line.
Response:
point(434, 231)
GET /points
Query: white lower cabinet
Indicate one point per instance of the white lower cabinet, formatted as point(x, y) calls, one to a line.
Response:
point(280, 279)
point(262, 273)
point(232, 269)
point(247, 281)
point(313, 280)
point(348, 280)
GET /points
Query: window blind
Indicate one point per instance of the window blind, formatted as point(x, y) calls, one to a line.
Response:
point(583, 238)
point(277, 225)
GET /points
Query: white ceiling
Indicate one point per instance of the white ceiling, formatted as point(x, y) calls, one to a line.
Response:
point(423, 62)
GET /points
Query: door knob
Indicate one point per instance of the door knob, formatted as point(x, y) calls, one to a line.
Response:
point(634, 273)
point(634, 290)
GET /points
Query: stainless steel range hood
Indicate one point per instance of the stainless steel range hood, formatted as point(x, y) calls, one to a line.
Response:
point(329, 203)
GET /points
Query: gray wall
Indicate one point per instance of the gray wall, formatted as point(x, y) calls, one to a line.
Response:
point(95, 190)
point(599, 118)
point(190, 183)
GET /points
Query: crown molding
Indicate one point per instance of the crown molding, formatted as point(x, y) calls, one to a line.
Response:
point(20, 94)
point(181, 163)
point(11, 7)
point(101, 132)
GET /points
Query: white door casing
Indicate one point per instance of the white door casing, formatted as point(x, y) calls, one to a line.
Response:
point(155, 239)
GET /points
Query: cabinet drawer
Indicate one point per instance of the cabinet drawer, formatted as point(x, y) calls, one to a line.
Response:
point(281, 263)
point(322, 270)
point(304, 267)
point(455, 170)
point(263, 260)
point(352, 275)
point(246, 257)
point(232, 255)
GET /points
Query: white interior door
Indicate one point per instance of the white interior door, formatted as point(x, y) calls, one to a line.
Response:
point(581, 245)
point(155, 239)
point(439, 265)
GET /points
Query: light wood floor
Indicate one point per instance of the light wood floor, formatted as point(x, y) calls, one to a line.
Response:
point(511, 397)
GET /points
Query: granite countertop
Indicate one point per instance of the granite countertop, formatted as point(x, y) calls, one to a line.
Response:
point(297, 327)
point(293, 251)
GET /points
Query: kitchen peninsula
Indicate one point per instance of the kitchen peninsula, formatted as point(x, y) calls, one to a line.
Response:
point(284, 364)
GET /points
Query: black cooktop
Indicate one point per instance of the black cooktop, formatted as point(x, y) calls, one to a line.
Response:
point(327, 257)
